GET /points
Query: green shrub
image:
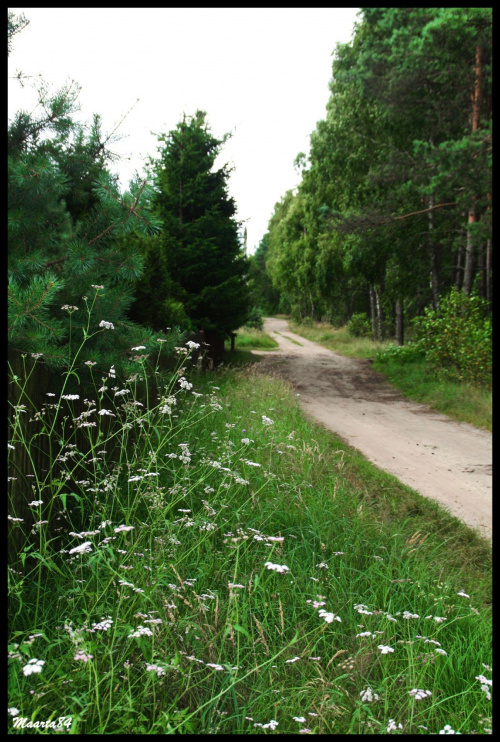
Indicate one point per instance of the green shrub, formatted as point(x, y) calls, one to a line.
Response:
point(359, 326)
point(404, 353)
point(255, 319)
point(457, 337)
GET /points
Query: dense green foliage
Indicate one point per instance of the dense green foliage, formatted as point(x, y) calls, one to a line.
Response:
point(196, 272)
point(393, 208)
point(65, 217)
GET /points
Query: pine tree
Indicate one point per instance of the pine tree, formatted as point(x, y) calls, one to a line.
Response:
point(65, 213)
point(203, 263)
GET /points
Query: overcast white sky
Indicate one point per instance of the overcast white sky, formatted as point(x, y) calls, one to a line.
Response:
point(261, 73)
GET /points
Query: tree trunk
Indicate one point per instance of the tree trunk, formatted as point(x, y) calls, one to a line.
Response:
point(373, 312)
point(472, 216)
point(399, 322)
point(434, 256)
point(469, 257)
point(459, 268)
point(380, 318)
point(488, 272)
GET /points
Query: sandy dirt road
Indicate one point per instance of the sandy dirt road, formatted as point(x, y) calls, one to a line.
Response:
point(447, 461)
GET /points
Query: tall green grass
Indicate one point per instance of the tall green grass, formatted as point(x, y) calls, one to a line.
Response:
point(234, 569)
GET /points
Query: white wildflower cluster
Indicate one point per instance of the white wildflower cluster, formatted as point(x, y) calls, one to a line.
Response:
point(185, 384)
point(485, 685)
point(328, 617)
point(185, 455)
point(106, 325)
point(70, 396)
point(419, 694)
point(166, 405)
point(360, 608)
point(463, 594)
point(407, 615)
point(141, 631)
point(368, 696)
point(155, 668)
point(103, 625)
point(84, 548)
point(277, 567)
point(447, 730)
point(267, 420)
point(392, 726)
point(34, 666)
point(81, 656)
point(270, 725)
point(291, 661)
point(192, 345)
point(385, 649)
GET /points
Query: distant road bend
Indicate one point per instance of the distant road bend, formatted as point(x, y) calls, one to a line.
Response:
point(447, 461)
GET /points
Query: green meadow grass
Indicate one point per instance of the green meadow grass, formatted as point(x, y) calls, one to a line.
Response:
point(234, 568)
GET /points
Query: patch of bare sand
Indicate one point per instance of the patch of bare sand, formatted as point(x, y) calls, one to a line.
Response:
point(442, 459)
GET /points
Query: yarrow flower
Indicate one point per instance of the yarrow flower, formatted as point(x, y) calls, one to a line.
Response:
point(392, 726)
point(463, 595)
point(141, 631)
point(267, 420)
point(368, 696)
point(328, 617)
point(384, 649)
point(485, 685)
point(82, 657)
point(139, 347)
point(419, 694)
point(84, 548)
point(33, 666)
point(123, 528)
point(106, 325)
point(155, 668)
point(70, 396)
point(277, 567)
point(448, 730)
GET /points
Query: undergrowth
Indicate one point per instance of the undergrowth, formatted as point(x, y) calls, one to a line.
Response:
point(212, 562)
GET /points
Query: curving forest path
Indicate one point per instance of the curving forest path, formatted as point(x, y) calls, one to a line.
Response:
point(441, 459)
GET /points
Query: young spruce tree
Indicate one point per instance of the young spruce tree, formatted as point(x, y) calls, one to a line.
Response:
point(196, 271)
